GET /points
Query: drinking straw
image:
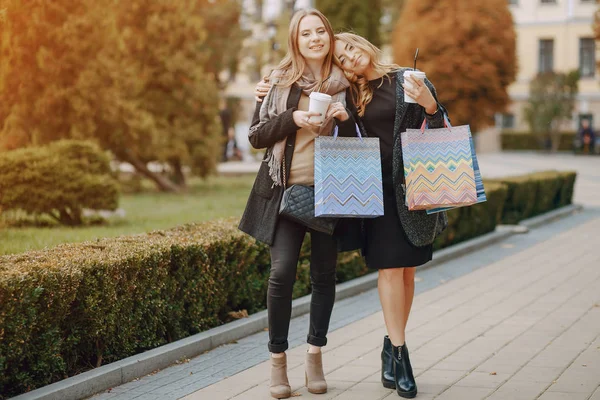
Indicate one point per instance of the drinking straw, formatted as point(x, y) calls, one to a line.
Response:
point(416, 55)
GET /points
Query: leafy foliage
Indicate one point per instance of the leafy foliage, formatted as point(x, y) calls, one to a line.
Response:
point(467, 49)
point(359, 16)
point(142, 82)
point(391, 11)
point(528, 141)
point(533, 194)
point(551, 101)
point(58, 180)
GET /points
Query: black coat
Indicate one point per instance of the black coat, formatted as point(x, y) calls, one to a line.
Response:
point(262, 210)
point(421, 229)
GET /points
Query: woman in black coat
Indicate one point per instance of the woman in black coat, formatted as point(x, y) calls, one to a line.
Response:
point(283, 126)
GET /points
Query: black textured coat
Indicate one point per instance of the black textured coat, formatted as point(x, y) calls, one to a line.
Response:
point(262, 210)
point(421, 229)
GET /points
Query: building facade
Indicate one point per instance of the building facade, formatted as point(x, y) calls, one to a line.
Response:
point(554, 35)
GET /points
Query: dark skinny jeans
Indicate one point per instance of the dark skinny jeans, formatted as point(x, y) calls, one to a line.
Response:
point(284, 261)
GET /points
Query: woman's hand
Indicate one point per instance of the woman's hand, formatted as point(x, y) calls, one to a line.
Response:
point(302, 119)
point(421, 93)
point(337, 110)
point(261, 90)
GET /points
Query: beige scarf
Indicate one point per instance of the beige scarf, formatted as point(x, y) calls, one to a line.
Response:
point(276, 102)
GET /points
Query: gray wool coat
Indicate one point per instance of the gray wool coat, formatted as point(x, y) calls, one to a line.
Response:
point(262, 209)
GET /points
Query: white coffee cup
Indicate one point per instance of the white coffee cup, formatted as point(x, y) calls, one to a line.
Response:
point(407, 84)
point(319, 102)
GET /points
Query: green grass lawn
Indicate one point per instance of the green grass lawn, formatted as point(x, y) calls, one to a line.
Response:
point(214, 198)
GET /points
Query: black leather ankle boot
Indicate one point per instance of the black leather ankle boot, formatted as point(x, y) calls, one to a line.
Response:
point(387, 364)
point(403, 374)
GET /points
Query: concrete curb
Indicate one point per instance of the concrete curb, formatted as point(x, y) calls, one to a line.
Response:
point(551, 216)
point(99, 379)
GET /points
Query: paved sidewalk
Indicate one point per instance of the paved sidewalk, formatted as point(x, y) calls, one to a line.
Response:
point(524, 327)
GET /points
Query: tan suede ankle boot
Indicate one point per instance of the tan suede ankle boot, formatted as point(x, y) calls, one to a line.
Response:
point(315, 378)
point(280, 386)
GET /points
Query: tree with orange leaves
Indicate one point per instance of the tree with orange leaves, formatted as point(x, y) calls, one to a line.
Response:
point(467, 49)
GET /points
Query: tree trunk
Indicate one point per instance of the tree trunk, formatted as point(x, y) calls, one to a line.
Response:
point(178, 175)
point(161, 182)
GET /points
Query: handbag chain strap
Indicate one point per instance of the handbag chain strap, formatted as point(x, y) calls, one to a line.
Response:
point(284, 178)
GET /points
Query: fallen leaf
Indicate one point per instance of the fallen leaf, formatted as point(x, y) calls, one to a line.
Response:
point(238, 314)
point(493, 373)
point(584, 365)
point(296, 394)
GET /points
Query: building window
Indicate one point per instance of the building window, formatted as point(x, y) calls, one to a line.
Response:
point(548, 1)
point(546, 59)
point(589, 117)
point(507, 121)
point(587, 57)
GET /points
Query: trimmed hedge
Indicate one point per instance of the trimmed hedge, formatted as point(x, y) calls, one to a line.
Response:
point(59, 180)
point(465, 223)
point(533, 194)
point(511, 140)
point(77, 306)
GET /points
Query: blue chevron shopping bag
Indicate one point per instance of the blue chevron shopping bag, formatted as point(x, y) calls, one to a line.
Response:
point(348, 180)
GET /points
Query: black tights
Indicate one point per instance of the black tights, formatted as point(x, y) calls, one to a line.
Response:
point(284, 261)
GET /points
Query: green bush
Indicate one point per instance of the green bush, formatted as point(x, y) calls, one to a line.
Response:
point(73, 307)
point(512, 140)
point(465, 223)
point(533, 194)
point(58, 180)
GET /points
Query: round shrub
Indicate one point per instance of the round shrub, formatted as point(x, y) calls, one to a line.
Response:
point(59, 180)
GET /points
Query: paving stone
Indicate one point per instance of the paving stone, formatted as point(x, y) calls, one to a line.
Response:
point(464, 393)
point(518, 390)
point(483, 379)
point(563, 396)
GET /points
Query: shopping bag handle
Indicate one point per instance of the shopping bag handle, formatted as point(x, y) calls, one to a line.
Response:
point(425, 125)
point(336, 131)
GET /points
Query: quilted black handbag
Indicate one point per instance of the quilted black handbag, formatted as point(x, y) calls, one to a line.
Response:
point(298, 205)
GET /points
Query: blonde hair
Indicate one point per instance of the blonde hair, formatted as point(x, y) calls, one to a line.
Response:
point(293, 64)
point(362, 94)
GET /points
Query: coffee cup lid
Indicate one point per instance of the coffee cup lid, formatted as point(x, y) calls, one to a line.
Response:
point(320, 96)
point(419, 73)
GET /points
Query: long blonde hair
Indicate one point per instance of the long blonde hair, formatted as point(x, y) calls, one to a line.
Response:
point(293, 64)
point(362, 94)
